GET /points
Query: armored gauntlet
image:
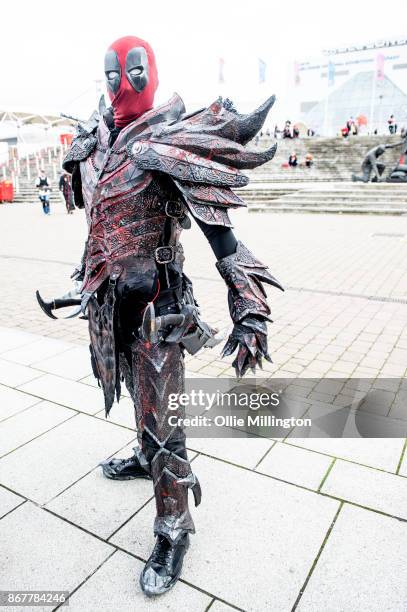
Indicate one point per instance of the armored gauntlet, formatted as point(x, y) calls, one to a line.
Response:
point(244, 275)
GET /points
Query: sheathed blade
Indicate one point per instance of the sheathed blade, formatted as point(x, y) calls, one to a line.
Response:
point(75, 313)
point(45, 306)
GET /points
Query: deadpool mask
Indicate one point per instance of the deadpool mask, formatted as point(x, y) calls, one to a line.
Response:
point(131, 78)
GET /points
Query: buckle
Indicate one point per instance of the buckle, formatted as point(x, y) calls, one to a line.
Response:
point(174, 209)
point(165, 254)
point(115, 273)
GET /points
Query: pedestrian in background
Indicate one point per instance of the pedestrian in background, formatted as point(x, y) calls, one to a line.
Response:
point(309, 160)
point(44, 187)
point(65, 188)
point(392, 125)
point(292, 160)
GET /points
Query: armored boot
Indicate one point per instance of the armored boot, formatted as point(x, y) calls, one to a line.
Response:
point(158, 373)
point(164, 566)
point(134, 467)
point(172, 476)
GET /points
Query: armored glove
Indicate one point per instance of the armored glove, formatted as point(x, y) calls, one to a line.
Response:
point(248, 307)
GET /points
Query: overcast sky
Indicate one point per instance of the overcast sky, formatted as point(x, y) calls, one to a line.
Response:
point(51, 53)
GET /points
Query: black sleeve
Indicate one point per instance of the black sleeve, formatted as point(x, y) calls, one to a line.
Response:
point(221, 239)
point(76, 183)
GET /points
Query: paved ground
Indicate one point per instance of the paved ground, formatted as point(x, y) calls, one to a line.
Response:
point(309, 524)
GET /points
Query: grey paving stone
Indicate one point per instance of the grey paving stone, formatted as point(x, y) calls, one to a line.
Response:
point(73, 363)
point(8, 501)
point(12, 401)
point(66, 392)
point(25, 426)
point(89, 380)
point(115, 587)
point(14, 374)
point(368, 487)
point(101, 505)
point(42, 552)
point(295, 465)
point(241, 451)
point(403, 466)
point(362, 567)
point(382, 453)
point(46, 466)
point(245, 518)
point(13, 338)
point(36, 351)
point(219, 606)
point(122, 413)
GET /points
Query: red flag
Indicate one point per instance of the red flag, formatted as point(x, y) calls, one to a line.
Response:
point(380, 66)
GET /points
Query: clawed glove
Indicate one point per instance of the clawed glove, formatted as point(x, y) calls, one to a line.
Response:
point(250, 337)
point(248, 307)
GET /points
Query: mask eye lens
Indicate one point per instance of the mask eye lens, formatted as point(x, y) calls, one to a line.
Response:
point(136, 71)
point(112, 74)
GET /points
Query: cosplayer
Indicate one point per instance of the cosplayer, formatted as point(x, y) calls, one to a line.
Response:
point(141, 174)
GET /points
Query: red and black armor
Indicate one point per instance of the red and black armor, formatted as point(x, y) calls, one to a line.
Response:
point(139, 173)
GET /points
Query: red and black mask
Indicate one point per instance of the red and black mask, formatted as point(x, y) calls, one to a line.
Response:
point(131, 78)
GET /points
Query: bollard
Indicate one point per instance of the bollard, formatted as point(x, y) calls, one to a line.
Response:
point(54, 169)
point(49, 156)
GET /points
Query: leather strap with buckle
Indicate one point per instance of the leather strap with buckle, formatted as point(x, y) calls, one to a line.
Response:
point(115, 273)
point(166, 254)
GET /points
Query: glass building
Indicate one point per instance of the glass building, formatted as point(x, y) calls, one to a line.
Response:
point(369, 80)
point(363, 96)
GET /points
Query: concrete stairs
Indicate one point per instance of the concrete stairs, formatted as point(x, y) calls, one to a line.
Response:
point(382, 198)
point(327, 186)
point(324, 188)
point(335, 159)
point(25, 172)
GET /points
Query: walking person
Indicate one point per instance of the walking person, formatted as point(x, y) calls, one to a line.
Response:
point(65, 188)
point(44, 187)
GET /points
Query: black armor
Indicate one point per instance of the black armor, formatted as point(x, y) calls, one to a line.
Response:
point(138, 184)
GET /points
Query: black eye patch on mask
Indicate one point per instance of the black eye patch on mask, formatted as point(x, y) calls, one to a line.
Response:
point(113, 71)
point(137, 68)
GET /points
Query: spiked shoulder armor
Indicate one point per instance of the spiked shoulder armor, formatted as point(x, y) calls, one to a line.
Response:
point(203, 153)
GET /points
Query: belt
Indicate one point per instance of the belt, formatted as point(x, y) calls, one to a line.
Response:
point(166, 254)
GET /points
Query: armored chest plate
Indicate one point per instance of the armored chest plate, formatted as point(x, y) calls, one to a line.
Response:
point(125, 210)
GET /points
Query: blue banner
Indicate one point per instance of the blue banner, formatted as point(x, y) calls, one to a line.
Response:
point(262, 71)
point(331, 74)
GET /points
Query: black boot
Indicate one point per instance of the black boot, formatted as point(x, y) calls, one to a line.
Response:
point(164, 566)
point(125, 469)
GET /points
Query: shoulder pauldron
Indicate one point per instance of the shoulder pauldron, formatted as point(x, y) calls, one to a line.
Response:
point(83, 144)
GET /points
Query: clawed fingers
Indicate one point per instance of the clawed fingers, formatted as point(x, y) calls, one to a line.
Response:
point(251, 342)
